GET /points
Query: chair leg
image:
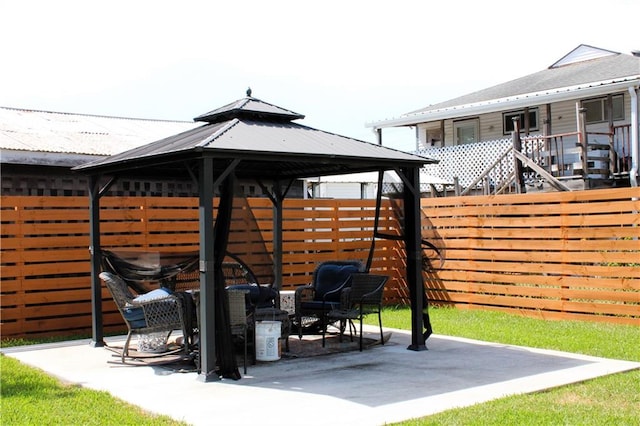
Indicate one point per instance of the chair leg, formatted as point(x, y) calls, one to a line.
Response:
point(244, 358)
point(324, 331)
point(380, 322)
point(361, 316)
point(343, 325)
point(125, 348)
point(254, 358)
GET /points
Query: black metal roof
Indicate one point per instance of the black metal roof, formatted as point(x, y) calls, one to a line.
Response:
point(265, 140)
point(250, 108)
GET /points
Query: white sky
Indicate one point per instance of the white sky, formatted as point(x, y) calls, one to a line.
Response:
point(341, 63)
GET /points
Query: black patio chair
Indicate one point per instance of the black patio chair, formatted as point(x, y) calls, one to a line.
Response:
point(362, 297)
point(314, 300)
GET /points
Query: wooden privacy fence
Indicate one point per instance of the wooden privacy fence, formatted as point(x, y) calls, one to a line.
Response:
point(559, 255)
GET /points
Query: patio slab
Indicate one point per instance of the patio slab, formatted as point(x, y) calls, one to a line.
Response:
point(379, 385)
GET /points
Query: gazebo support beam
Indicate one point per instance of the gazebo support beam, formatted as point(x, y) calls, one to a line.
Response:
point(207, 298)
point(413, 238)
point(97, 332)
point(95, 193)
point(277, 196)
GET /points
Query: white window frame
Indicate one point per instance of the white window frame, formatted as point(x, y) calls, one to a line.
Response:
point(471, 125)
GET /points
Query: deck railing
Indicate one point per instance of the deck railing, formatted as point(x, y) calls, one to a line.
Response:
point(488, 167)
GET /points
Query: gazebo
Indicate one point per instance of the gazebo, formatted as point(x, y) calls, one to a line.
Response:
point(252, 140)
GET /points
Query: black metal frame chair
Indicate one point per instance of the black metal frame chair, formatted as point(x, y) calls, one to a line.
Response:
point(362, 297)
point(313, 301)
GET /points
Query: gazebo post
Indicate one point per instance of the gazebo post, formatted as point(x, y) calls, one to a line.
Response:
point(207, 298)
point(97, 339)
point(277, 237)
point(413, 238)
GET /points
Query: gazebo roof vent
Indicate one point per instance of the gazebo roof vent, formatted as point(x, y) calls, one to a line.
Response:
point(249, 108)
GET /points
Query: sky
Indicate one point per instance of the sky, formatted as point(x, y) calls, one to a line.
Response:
point(341, 63)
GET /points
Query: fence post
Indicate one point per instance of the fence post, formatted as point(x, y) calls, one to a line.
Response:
point(582, 131)
point(517, 146)
point(613, 155)
point(456, 186)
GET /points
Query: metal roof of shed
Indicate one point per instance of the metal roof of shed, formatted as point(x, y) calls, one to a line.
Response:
point(47, 131)
point(268, 145)
point(33, 137)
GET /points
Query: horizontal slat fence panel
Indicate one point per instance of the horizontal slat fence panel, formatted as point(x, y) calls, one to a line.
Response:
point(568, 255)
point(557, 256)
point(45, 265)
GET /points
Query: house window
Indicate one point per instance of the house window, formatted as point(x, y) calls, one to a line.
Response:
point(597, 111)
point(433, 137)
point(466, 131)
point(507, 120)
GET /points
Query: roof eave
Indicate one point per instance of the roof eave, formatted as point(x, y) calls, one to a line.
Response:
point(512, 102)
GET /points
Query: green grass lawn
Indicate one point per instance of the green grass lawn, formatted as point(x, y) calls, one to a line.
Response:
point(31, 397)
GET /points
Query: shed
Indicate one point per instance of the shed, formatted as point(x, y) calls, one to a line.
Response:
point(252, 139)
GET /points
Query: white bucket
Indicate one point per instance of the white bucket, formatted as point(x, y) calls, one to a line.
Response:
point(267, 340)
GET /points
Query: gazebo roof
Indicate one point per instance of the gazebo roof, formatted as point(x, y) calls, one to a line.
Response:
point(267, 142)
point(250, 108)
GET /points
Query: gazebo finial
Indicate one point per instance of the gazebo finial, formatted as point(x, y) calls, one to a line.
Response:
point(249, 92)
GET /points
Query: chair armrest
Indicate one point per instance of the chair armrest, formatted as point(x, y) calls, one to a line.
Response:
point(337, 290)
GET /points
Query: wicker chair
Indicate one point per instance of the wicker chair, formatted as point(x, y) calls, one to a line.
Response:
point(239, 321)
point(314, 300)
point(145, 314)
point(363, 297)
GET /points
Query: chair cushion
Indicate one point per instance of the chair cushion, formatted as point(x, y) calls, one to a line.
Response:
point(331, 276)
point(158, 293)
point(135, 317)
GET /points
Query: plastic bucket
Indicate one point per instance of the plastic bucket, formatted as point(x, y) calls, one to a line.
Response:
point(267, 340)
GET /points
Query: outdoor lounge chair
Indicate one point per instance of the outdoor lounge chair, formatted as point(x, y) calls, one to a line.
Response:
point(363, 297)
point(314, 300)
point(154, 312)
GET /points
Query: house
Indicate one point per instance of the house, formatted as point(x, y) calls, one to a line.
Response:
point(577, 120)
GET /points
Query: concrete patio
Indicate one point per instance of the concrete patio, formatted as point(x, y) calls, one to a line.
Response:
point(380, 385)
